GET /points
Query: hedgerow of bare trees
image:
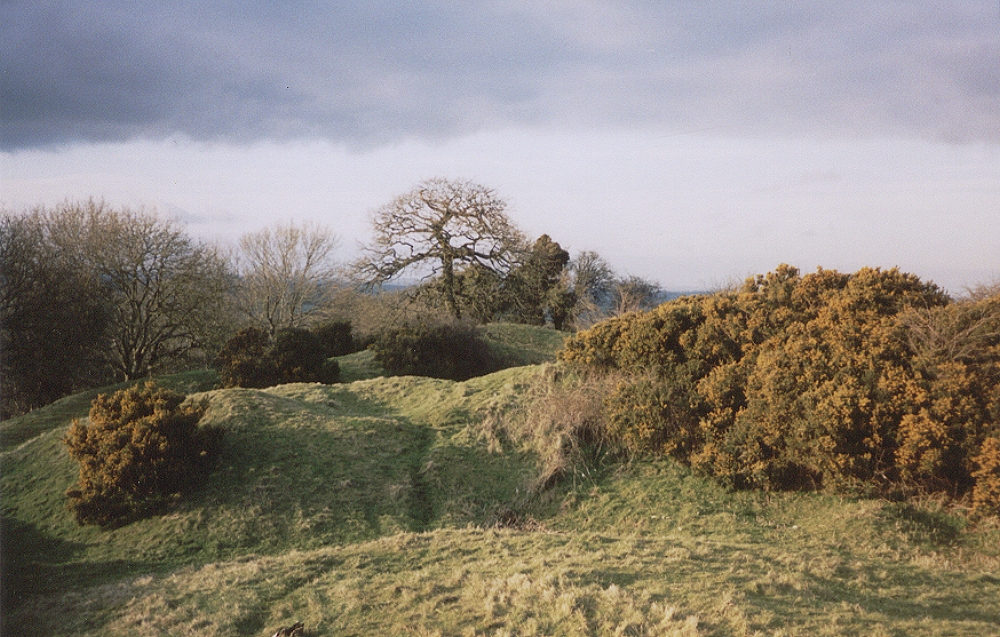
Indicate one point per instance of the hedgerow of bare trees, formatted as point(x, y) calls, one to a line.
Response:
point(104, 293)
point(165, 292)
point(52, 324)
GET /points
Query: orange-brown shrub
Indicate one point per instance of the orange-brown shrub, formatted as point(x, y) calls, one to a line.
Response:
point(986, 493)
point(646, 414)
point(141, 449)
point(824, 380)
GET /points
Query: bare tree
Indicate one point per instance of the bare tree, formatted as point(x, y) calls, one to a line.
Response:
point(601, 293)
point(165, 294)
point(592, 280)
point(286, 274)
point(440, 229)
point(633, 293)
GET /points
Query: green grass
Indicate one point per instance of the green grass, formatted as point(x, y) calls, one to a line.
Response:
point(388, 506)
point(523, 344)
point(17, 430)
point(359, 366)
point(303, 466)
point(511, 345)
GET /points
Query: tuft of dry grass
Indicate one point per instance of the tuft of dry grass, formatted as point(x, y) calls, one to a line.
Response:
point(561, 421)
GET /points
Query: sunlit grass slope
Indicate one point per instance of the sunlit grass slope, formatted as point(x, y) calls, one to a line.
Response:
point(391, 506)
point(523, 344)
point(303, 466)
point(510, 344)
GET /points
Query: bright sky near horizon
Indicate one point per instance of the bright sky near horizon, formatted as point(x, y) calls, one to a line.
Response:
point(694, 143)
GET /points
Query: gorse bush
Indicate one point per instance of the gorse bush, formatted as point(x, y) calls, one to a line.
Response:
point(140, 450)
point(244, 362)
point(454, 351)
point(986, 492)
point(648, 414)
point(336, 338)
point(872, 379)
point(299, 357)
point(252, 359)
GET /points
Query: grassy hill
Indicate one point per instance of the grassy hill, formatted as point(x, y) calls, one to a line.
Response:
point(392, 506)
point(511, 345)
point(516, 345)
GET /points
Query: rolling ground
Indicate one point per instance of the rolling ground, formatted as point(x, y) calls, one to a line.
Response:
point(393, 506)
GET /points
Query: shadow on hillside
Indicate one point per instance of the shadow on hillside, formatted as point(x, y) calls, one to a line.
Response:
point(35, 564)
point(301, 486)
point(305, 473)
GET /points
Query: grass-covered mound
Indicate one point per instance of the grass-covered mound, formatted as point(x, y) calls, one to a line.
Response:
point(430, 507)
point(301, 466)
point(872, 381)
point(509, 344)
point(514, 344)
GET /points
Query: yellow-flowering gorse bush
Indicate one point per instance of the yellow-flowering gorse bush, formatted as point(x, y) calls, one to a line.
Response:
point(872, 380)
point(140, 449)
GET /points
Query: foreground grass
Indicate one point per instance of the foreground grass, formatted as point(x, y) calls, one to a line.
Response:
point(384, 507)
point(594, 580)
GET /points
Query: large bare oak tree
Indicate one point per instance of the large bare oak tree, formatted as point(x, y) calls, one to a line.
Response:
point(440, 229)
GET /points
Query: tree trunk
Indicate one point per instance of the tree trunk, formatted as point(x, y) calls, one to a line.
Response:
point(448, 278)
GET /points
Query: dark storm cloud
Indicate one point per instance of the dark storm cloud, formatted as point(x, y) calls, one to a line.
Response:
point(368, 73)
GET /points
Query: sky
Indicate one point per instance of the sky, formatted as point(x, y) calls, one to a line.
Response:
point(693, 143)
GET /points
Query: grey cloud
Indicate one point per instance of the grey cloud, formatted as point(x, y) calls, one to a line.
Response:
point(369, 73)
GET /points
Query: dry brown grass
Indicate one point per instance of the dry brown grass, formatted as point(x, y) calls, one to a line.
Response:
point(561, 421)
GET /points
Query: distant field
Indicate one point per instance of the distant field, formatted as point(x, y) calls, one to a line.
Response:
point(386, 506)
